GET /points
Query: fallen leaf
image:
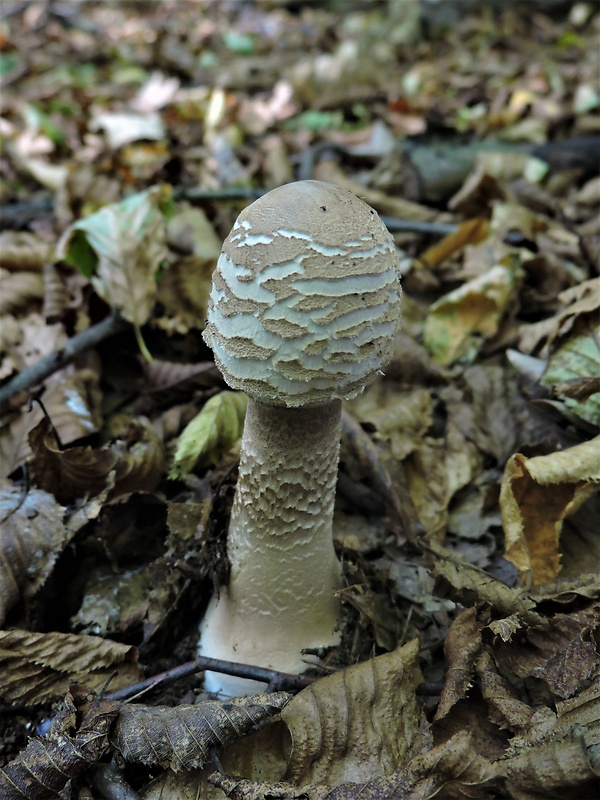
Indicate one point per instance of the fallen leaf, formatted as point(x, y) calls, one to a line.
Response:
point(458, 323)
point(355, 724)
point(537, 495)
point(77, 739)
point(211, 433)
point(38, 668)
point(121, 248)
point(32, 535)
point(183, 737)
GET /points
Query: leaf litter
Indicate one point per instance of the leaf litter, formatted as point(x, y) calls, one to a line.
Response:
point(467, 500)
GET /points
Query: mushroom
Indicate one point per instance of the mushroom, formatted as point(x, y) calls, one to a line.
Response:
point(303, 312)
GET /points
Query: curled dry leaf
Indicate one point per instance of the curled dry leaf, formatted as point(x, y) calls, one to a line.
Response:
point(133, 462)
point(356, 724)
point(537, 495)
point(77, 739)
point(211, 433)
point(38, 668)
point(182, 737)
point(557, 750)
point(120, 248)
point(453, 765)
point(458, 323)
point(32, 534)
point(469, 585)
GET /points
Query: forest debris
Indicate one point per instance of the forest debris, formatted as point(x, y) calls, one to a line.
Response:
point(32, 535)
point(120, 249)
point(211, 433)
point(132, 462)
point(458, 323)
point(454, 764)
point(356, 724)
point(181, 738)
point(18, 290)
point(22, 251)
point(471, 231)
point(537, 495)
point(37, 668)
point(78, 738)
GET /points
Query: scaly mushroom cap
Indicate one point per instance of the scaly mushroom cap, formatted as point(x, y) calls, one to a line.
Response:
point(306, 296)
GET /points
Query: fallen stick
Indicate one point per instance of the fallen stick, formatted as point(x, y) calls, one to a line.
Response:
point(58, 359)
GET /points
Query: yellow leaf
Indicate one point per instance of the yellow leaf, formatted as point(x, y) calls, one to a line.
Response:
point(211, 433)
point(537, 495)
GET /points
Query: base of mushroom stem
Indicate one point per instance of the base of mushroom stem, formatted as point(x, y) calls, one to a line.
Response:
point(219, 639)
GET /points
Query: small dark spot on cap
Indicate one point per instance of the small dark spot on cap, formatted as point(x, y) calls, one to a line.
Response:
point(323, 208)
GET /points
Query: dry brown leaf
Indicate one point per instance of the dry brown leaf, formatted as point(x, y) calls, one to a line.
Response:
point(356, 724)
point(402, 416)
point(556, 754)
point(560, 653)
point(38, 668)
point(451, 770)
point(134, 462)
point(504, 708)
point(537, 495)
point(461, 649)
point(77, 739)
point(19, 289)
point(182, 738)
point(32, 535)
point(469, 585)
point(21, 251)
point(470, 231)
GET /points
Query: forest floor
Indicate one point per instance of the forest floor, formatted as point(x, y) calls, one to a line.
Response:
point(467, 515)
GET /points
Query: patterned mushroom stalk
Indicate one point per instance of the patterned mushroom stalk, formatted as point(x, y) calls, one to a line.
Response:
point(303, 312)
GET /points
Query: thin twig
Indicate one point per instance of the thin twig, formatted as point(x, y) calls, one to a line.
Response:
point(279, 680)
point(36, 373)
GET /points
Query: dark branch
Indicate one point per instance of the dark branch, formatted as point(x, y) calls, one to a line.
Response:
point(36, 373)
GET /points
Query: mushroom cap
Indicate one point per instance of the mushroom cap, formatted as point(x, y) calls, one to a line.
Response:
point(306, 294)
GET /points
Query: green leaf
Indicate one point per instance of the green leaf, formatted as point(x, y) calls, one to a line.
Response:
point(121, 249)
point(576, 357)
point(39, 121)
point(239, 43)
point(211, 433)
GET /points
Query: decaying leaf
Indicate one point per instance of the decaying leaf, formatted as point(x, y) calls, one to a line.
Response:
point(558, 749)
point(78, 738)
point(357, 723)
point(38, 668)
point(537, 495)
point(458, 323)
point(19, 289)
point(181, 738)
point(120, 248)
point(32, 535)
point(471, 231)
point(470, 585)
point(211, 433)
point(454, 766)
point(577, 359)
point(133, 462)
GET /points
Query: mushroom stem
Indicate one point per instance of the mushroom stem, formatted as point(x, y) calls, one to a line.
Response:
point(284, 571)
